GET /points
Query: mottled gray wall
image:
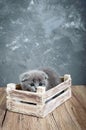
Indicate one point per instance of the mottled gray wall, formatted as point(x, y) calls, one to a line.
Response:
point(36, 33)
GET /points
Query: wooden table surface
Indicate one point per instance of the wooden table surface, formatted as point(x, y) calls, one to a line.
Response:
point(71, 115)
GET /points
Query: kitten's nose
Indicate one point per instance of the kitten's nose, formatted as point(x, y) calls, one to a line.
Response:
point(36, 85)
point(35, 88)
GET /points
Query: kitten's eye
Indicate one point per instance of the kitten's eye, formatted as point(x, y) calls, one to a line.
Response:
point(46, 77)
point(32, 84)
point(40, 84)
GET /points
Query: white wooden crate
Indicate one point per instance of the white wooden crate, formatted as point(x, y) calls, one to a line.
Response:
point(38, 103)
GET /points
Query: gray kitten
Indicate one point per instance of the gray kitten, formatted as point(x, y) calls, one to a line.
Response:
point(32, 79)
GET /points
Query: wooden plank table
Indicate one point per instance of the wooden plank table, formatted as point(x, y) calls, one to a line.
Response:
point(71, 115)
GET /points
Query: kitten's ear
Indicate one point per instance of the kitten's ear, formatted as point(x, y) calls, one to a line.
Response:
point(45, 75)
point(24, 77)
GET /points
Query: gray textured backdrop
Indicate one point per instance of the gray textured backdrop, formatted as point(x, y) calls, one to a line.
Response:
point(36, 33)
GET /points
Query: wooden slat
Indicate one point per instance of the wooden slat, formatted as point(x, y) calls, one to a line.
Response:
point(18, 100)
point(79, 92)
point(65, 118)
point(28, 109)
point(51, 105)
point(25, 96)
point(52, 92)
point(12, 121)
point(71, 115)
point(2, 105)
point(24, 108)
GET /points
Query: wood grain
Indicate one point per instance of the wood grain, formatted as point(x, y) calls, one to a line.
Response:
point(58, 88)
point(50, 106)
point(71, 115)
point(45, 101)
point(20, 95)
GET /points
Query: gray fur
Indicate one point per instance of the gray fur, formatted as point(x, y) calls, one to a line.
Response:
point(30, 80)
